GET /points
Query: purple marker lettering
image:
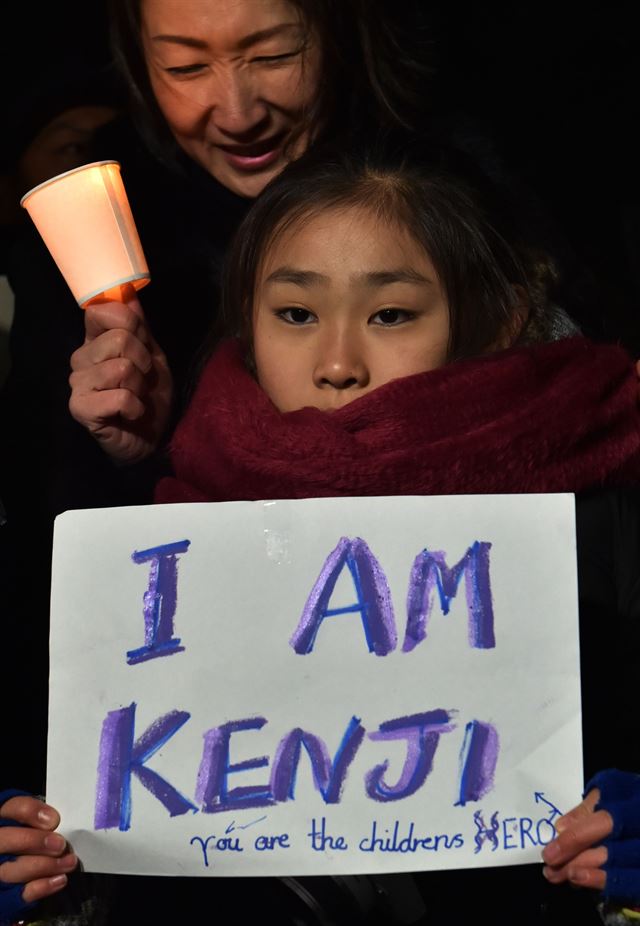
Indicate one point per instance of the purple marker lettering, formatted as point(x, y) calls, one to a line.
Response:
point(120, 756)
point(329, 777)
point(429, 570)
point(212, 789)
point(373, 599)
point(160, 601)
point(422, 732)
point(478, 759)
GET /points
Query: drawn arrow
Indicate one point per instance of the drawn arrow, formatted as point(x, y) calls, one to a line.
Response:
point(539, 797)
point(244, 826)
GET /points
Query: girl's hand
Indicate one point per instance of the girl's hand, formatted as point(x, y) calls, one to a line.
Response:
point(575, 855)
point(42, 857)
point(598, 842)
point(121, 386)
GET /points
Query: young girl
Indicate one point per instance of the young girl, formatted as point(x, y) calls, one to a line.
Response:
point(390, 341)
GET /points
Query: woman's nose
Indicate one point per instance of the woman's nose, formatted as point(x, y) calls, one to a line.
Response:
point(236, 109)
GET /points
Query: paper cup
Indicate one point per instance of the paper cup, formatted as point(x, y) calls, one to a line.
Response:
point(85, 220)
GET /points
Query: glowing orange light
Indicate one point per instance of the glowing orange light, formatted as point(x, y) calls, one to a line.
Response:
point(85, 221)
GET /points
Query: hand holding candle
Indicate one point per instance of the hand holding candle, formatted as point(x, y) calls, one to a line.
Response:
point(121, 387)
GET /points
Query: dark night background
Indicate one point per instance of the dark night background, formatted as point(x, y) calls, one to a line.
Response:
point(555, 86)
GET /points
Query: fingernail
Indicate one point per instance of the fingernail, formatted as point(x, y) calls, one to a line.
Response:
point(580, 876)
point(58, 881)
point(55, 842)
point(551, 852)
point(46, 815)
point(68, 862)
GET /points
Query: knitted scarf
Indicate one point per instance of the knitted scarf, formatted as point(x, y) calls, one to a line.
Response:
point(560, 417)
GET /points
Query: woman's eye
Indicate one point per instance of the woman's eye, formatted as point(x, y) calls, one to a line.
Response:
point(275, 59)
point(388, 318)
point(185, 70)
point(296, 316)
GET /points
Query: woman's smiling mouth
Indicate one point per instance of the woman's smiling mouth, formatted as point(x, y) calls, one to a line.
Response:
point(254, 156)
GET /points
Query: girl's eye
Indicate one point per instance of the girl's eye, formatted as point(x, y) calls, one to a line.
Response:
point(389, 318)
point(296, 316)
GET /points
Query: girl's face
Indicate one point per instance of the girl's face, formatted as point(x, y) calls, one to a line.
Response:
point(232, 78)
point(345, 303)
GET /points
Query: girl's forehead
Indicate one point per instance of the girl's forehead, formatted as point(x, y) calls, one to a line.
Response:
point(340, 235)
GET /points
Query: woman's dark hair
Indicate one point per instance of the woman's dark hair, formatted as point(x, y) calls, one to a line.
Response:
point(494, 287)
point(374, 68)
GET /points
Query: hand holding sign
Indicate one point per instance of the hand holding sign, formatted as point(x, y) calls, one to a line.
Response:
point(598, 844)
point(32, 857)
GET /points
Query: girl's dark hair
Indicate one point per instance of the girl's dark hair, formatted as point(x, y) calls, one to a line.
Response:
point(375, 66)
point(494, 286)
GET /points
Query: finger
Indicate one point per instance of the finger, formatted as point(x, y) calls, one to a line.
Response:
point(43, 887)
point(23, 840)
point(594, 878)
point(130, 298)
point(31, 812)
point(117, 342)
point(580, 833)
point(123, 292)
point(590, 858)
point(119, 373)
point(110, 315)
point(33, 867)
point(98, 409)
point(579, 813)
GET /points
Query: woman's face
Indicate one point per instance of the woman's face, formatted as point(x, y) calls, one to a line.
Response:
point(345, 303)
point(232, 78)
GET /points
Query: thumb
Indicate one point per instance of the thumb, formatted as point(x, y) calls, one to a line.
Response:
point(130, 298)
point(124, 293)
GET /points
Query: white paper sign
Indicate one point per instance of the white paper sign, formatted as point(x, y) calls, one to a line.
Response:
point(315, 687)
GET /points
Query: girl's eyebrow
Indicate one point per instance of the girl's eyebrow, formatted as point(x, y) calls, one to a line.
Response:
point(373, 279)
point(387, 277)
point(247, 41)
point(298, 277)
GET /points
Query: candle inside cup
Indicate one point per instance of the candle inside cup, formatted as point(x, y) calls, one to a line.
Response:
point(85, 220)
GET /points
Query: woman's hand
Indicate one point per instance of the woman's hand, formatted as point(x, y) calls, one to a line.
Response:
point(42, 857)
point(575, 855)
point(121, 386)
point(600, 848)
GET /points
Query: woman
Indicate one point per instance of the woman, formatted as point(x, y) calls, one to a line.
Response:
point(225, 93)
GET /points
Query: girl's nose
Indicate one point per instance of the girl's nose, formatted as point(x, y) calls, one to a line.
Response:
point(341, 368)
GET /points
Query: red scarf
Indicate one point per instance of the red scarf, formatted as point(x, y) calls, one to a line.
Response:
point(558, 417)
